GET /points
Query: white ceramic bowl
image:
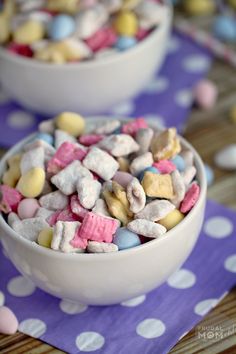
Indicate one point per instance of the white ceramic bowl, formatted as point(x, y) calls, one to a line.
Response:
point(104, 279)
point(86, 87)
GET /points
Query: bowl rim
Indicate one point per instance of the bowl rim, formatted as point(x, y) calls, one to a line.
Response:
point(36, 64)
point(33, 246)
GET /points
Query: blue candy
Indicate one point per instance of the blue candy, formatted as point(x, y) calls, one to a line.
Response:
point(149, 169)
point(224, 28)
point(125, 239)
point(124, 43)
point(62, 26)
point(179, 162)
point(209, 174)
point(46, 137)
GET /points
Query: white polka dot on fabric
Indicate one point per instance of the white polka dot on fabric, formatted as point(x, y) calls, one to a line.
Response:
point(89, 341)
point(125, 108)
point(173, 45)
point(159, 121)
point(204, 306)
point(157, 86)
point(72, 308)
point(2, 298)
point(150, 328)
point(196, 63)
point(182, 279)
point(134, 302)
point(20, 120)
point(20, 286)
point(184, 98)
point(4, 97)
point(218, 227)
point(33, 327)
point(230, 263)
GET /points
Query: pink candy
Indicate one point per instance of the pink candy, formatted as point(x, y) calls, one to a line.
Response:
point(77, 208)
point(20, 49)
point(141, 34)
point(90, 139)
point(132, 127)
point(65, 154)
point(9, 199)
point(97, 228)
point(164, 166)
point(190, 198)
point(8, 321)
point(103, 38)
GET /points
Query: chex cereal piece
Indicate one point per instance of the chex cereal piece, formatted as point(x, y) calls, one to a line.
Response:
point(98, 228)
point(44, 213)
point(155, 210)
point(54, 201)
point(115, 207)
point(12, 175)
point(178, 187)
point(164, 166)
point(188, 175)
point(67, 178)
point(159, 186)
point(90, 139)
point(119, 145)
point(63, 233)
point(49, 150)
point(107, 127)
point(165, 145)
point(52, 219)
point(144, 137)
point(32, 158)
point(67, 215)
point(88, 192)
point(141, 162)
point(188, 157)
point(47, 126)
point(100, 208)
point(100, 162)
point(190, 198)
point(133, 126)
point(12, 217)
point(136, 196)
point(77, 208)
point(29, 228)
point(120, 194)
point(101, 247)
point(62, 137)
point(146, 228)
point(9, 198)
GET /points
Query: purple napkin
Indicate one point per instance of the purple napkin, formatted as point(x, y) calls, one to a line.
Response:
point(150, 323)
point(185, 64)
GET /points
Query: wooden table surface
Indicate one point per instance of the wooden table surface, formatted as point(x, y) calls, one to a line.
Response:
point(208, 132)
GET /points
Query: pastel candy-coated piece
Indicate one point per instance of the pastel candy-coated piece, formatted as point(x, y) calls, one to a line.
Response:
point(226, 158)
point(8, 321)
point(141, 34)
point(61, 26)
point(29, 32)
point(199, 7)
point(126, 23)
point(152, 169)
point(123, 178)
point(132, 127)
point(90, 139)
point(190, 198)
point(205, 94)
point(71, 123)
point(164, 166)
point(125, 239)
point(209, 174)
point(159, 186)
point(31, 184)
point(98, 228)
point(103, 38)
point(224, 28)
point(20, 49)
point(46, 137)
point(77, 208)
point(179, 162)
point(4, 28)
point(27, 208)
point(125, 42)
point(172, 219)
point(9, 199)
point(13, 173)
point(45, 237)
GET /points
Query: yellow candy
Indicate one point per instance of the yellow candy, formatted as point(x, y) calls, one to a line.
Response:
point(232, 114)
point(4, 28)
point(45, 237)
point(172, 219)
point(159, 186)
point(126, 24)
point(165, 145)
point(12, 175)
point(71, 123)
point(29, 32)
point(58, 53)
point(115, 207)
point(199, 7)
point(120, 194)
point(69, 6)
point(31, 184)
point(124, 164)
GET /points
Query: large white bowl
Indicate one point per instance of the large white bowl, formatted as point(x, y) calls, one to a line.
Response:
point(86, 87)
point(104, 279)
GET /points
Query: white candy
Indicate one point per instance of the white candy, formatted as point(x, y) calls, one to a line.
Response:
point(178, 187)
point(143, 138)
point(101, 247)
point(62, 137)
point(226, 158)
point(188, 175)
point(146, 228)
point(156, 210)
point(119, 145)
point(54, 201)
point(32, 158)
point(151, 14)
point(108, 127)
point(100, 162)
point(29, 228)
point(66, 179)
point(136, 196)
point(100, 208)
point(47, 126)
point(141, 162)
point(43, 213)
point(63, 234)
point(88, 192)
point(79, 48)
point(12, 217)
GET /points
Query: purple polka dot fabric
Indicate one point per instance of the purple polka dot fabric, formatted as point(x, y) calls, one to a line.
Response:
point(150, 323)
point(167, 98)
